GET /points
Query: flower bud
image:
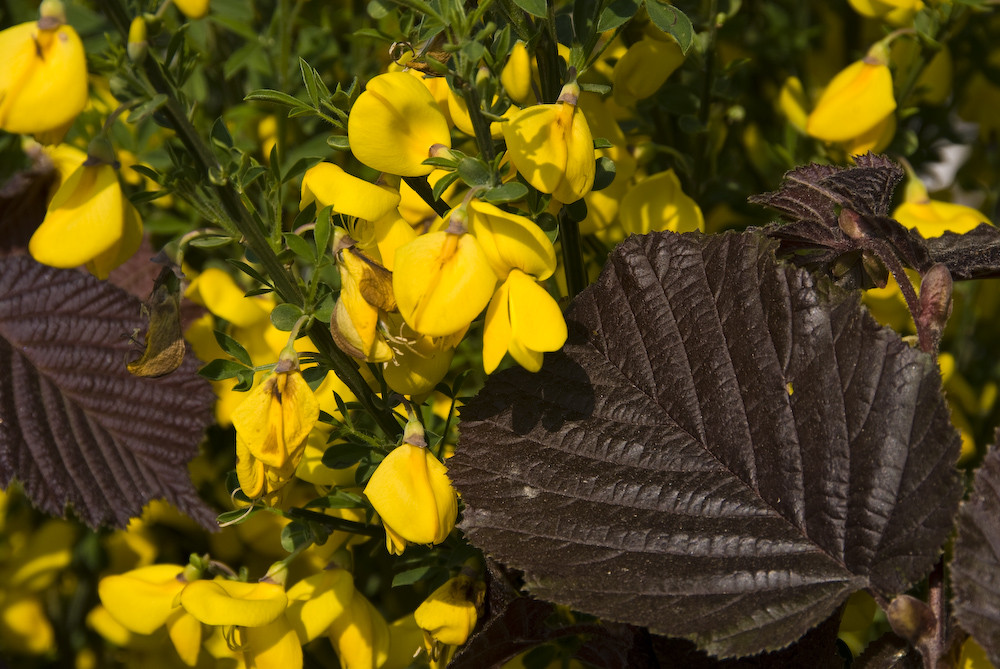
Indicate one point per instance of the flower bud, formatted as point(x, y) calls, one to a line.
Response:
point(449, 614)
point(137, 44)
point(516, 75)
point(412, 495)
point(193, 9)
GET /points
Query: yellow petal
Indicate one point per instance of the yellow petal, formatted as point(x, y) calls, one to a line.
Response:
point(276, 417)
point(315, 601)
point(448, 615)
point(516, 75)
point(142, 599)
point(536, 144)
point(510, 241)
point(644, 68)
point(43, 81)
point(217, 291)
point(193, 9)
point(327, 184)
point(580, 160)
point(394, 123)
point(102, 264)
point(360, 635)
point(858, 98)
point(24, 627)
point(185, 633)
point(223, 602)
point(441, 282)
point(496, 331)
point(85, 218)
point(249, 471)
point(933, 218)
point(657, 203)
point(272, 646)
point(535, 318)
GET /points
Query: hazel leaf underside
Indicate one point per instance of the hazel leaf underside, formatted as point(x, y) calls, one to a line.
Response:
point(75, 427)
point(975, 570)
point(721, 452)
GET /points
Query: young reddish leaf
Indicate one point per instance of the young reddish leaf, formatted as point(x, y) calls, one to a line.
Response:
point(975, 571)
point(75, 427)
point(973, 255)
point(722, 452)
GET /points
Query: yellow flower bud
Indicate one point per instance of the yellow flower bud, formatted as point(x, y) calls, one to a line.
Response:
point(856, 100)
point(327, 184)
point(365, 293)
point(657, 203)
point(411, 493)
point(43, 81)
point(441, 280)
point(552, 148)
point(193, 9)
point(394, 124)
point(137, 44)
point(449, 614)
point(523, 319)
point(516, 75)
point(645, 67)
point(89, 221)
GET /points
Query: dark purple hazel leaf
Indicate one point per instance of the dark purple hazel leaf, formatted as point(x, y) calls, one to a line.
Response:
point(973, 255)
point(721, 451)
point(975, 569)
point(889, 652)
point(75, 427)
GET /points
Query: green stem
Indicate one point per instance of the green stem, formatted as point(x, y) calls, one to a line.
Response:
point(423, 189)
point(256, 239)
point(333, 522)
point(484, 140)
point(702, 154)
point(572, 254)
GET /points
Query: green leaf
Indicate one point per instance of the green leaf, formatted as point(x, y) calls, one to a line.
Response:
point(533, 7)
point(300, 246)
point(474, 172)
point(323, 230)
point(296, 534)
point(616, 14)
point(220, 134)
point(720, 436)
point(147, 108)
point(309, 79)
point(232, 347)
point(509, 192)
point(604, 174)
point(441, 185)
point(411, 576)
point(276, 97)
point(342, 456)
point(218, 369)
point(211, 242)
point(672, 21)
point(601, 143)
point(284, 316)
point(250, 271)
point(338, 143)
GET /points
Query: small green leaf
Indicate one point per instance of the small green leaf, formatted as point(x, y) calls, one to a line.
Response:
point(601, 143)
point(616, 14)
point(244, 381)
point(309, 79)
point(342, 456)
point(300, 246)
point(233, 347)
point(237, 515)
point(411, 576)
point(147, 108)
point(324, 308)
point(338, 143)
point(220, 134)
point(276, 97)
point(296, 534)
point(533, 7)
point(284, 316)
point(474, 172)
point(672, 21)
point(605, 173)
point(218, 370)
point(323, 229)
point(509, 192)
point(441, 185)
point(210, 242)
point(251, 272)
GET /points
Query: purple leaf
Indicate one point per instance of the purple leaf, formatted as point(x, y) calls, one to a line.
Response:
point(722, 451)
point(75, 427)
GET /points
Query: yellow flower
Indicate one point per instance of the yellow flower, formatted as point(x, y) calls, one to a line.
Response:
point(141, 600)
point(411, 493)
point(43, 81)
point(856, 100)
point(552, 148)
point(449, 614)
point(516, 75)
point(441, 280)
point(327, 184)
point(394, 124)
point(657, 203)
point(419, 362)
point(225, 602)
point(523, 319)
point(645, 67)
point(365, 294)
point(315, 601)
point(272, 425)
point(933, 218)
point(89, 221)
